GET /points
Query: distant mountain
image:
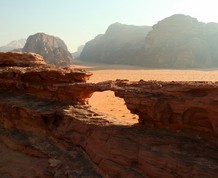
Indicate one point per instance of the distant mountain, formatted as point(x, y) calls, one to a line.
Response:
point(78, 52)
point(13, 45)
point(178, 41)
point(119, 45)
point(181, 41)
point(53, 49)
point(17, 50)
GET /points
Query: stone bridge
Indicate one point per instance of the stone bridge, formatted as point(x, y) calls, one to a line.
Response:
point(44, 114)
point(170, 105)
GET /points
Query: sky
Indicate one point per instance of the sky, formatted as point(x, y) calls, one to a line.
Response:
point(78, 21)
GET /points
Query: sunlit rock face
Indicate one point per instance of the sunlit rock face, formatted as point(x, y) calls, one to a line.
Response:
point(48, 130)
point(28, 73)
point(53, 49)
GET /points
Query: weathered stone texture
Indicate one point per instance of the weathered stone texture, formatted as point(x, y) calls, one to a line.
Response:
point(173, 105)
point(28, 73)
point(47, 129)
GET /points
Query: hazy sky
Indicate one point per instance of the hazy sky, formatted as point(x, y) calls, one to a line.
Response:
point(78, 21)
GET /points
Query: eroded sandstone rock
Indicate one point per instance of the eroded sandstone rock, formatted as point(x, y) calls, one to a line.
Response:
point(20, 59)
point(173, 105)
point(28, 73)
point(176, 106)
point(47, 130)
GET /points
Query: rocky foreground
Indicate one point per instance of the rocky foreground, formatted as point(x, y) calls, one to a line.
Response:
point(47, 128)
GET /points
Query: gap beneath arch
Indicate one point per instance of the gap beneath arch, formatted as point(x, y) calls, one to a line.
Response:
point(107, 103)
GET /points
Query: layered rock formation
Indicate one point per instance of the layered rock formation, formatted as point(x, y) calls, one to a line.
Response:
point(178, 41)
point(30, 74)
point(119, 45)
point(46, 124)
point(53, 49)
point(175, 106)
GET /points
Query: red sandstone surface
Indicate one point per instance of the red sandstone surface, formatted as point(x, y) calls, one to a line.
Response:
point(48, 130)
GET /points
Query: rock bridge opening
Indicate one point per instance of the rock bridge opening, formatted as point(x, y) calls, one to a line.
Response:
point(114, 107)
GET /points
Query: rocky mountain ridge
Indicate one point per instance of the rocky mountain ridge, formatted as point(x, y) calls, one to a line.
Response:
point(178, 41)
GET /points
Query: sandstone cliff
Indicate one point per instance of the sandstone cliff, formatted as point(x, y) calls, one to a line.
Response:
point(178, 41)
point(48, 130)
point(53, 49)
point(119, 45)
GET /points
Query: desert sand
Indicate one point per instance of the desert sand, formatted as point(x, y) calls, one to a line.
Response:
point(107, 103)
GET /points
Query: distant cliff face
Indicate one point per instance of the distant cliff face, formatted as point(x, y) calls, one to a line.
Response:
point(181, 41)
point(53, 49)
point(14, 45)
point(178, 41)
point(119, 45)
